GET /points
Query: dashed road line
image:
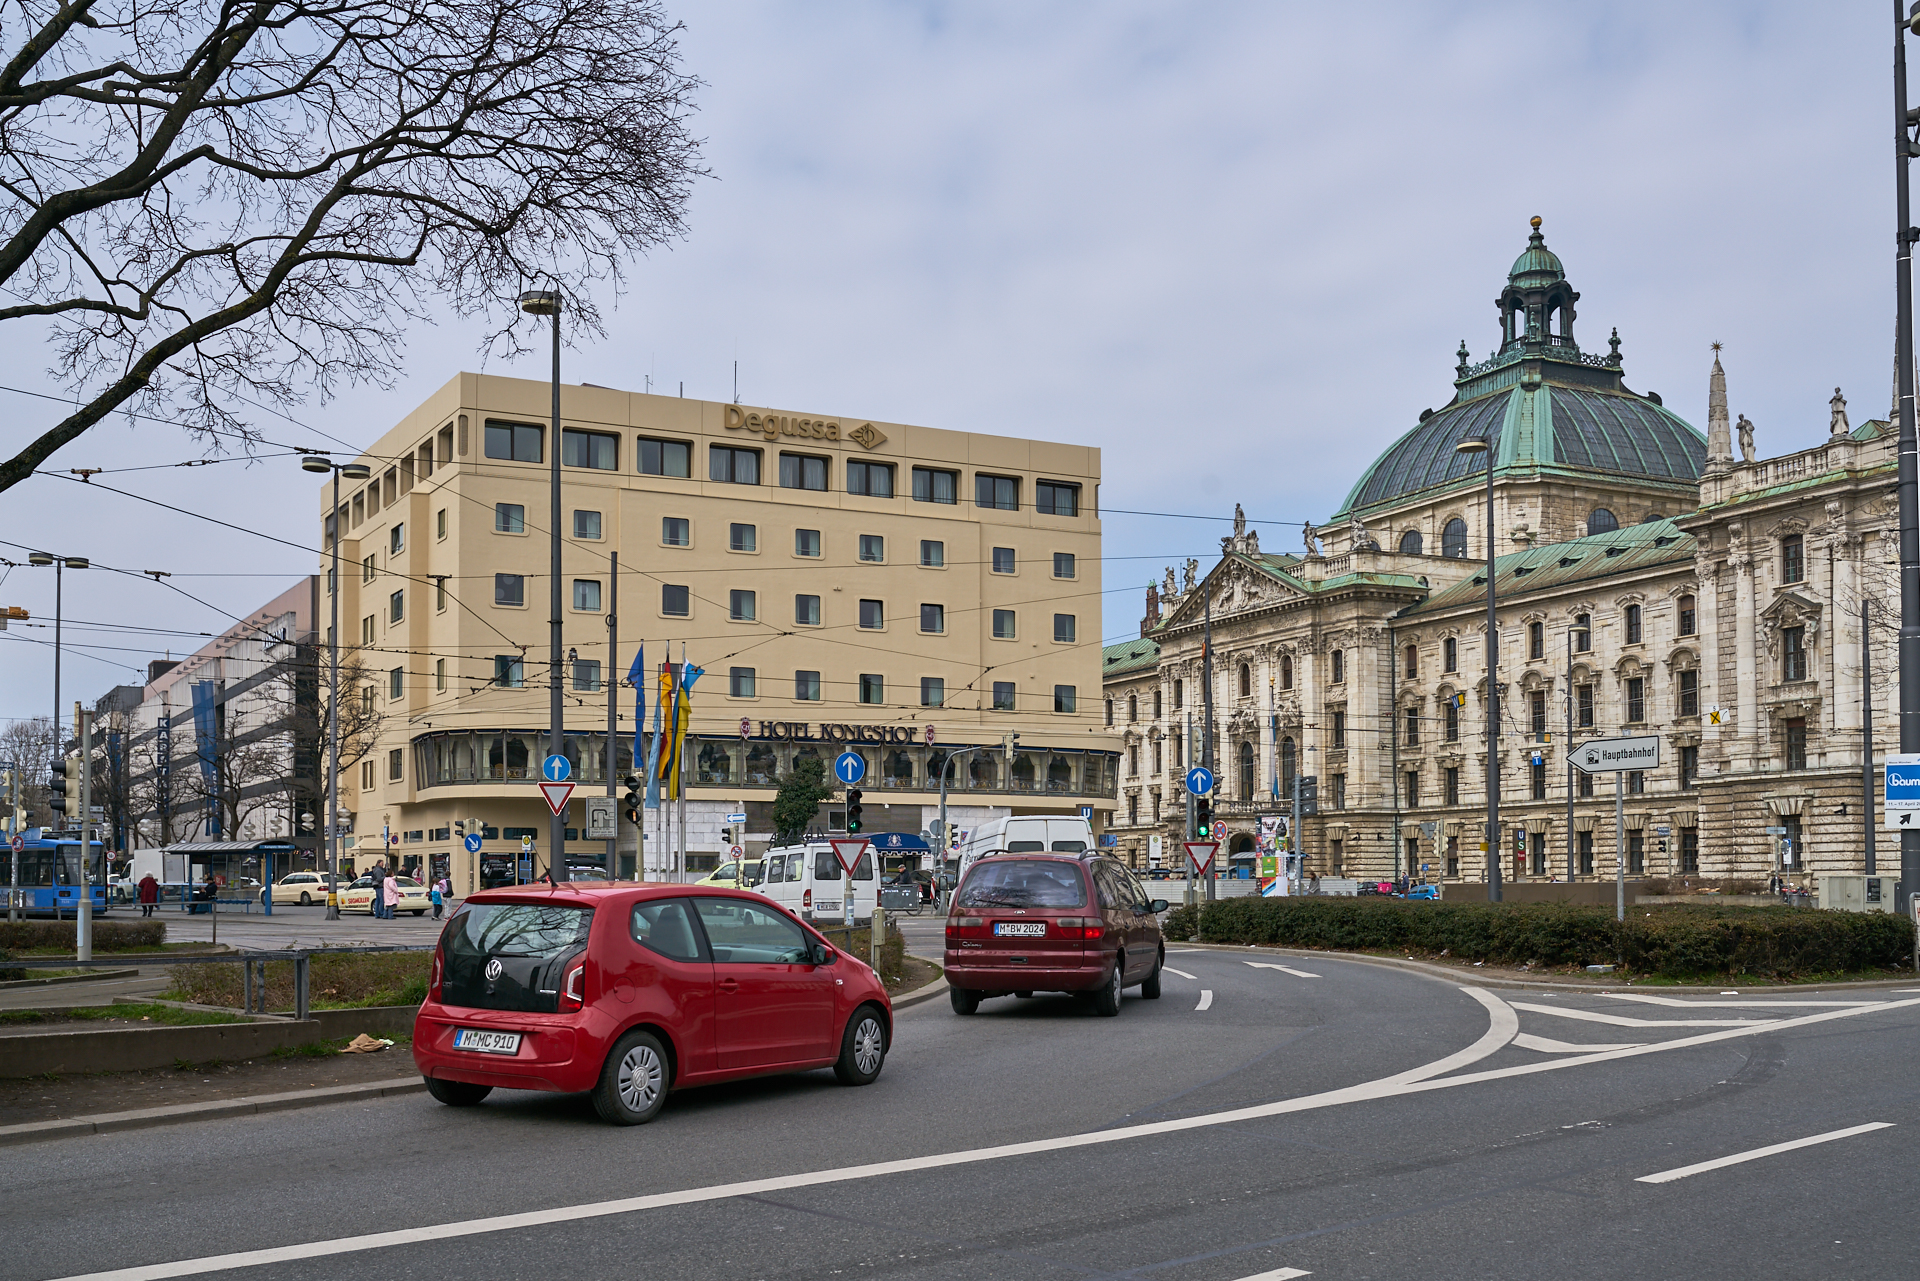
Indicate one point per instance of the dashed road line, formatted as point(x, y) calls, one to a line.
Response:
point(1688, 1171)
point(1206, 1000)
point(1284, 969)
point(1182, 973)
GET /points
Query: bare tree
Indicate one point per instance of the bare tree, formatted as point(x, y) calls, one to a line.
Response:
point(207, 203)
point(28, 744)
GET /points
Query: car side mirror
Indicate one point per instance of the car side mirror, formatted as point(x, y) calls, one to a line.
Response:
point(1159, 905)
point(824, 955)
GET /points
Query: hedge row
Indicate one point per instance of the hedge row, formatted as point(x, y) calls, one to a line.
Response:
point(1677, 941)
point(108, 936)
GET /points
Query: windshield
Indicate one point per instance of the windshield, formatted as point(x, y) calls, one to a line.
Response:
point(1020, 882)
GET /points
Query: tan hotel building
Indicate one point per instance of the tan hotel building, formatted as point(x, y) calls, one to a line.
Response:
point(843, 582)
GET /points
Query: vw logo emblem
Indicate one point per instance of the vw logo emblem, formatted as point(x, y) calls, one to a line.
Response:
point(493, 968)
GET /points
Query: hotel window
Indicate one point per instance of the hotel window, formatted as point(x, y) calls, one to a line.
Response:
point(1063, 566)
point(366, 568)
point(1687, 616)
point(1793, 653)
point(366, 630)
point(666, 458)
point(396, 539)
point(1413, 727)
point(806, 611)
point(1052, 498)
point(740, 682)
point(933, 618)
point(873, 615)
point(1689, 693)
point(586, 524)
point(1339, 666)
point(596, 449)
point(933, 555)
point(742, 607)
point(586, 675)
point(1536, 640)
point(1689, 767)
point(675, 600)
point(802, 471)
point(440, 675)
point(509, 670)
point(930, 485)
point(1583, 705)
point(1001, 493)
point(1339, 731)
point(806, 542)
point(586, 595)
point(1797, 743)
point(1582, 632)
point(395, 758)
point(1633, 624)
point(933, 691)
point(367, 693)
point(806, 687)
point(515, 442)
point(1065, 698)
point(396, 682)
point(509, 518)
point(1003, 560)
point(743, 538)
point(733, 466)
point(873, 549)
point(1793, 559)
point(396, 606)
point(1003, 696)
point(1452, 776)
point(676, 531)
point(1636, 699)
point(1003, 624)
point(1064, 629)
point(1449, 655)
point(873, 688)
point(509, 589)
point(875, 480)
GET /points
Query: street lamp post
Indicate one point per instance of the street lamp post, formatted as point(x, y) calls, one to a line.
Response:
point(546, 302)
point(352, 471)
point(946, 768)
point(60, 564)
point(1909, 482)
point(1484, 445)
point(1566, 750)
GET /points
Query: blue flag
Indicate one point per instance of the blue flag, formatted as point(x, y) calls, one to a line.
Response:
point(637, 677)
point(653, 762)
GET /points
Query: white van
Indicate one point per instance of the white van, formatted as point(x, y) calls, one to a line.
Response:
point(1026, 833)
point(807, 880)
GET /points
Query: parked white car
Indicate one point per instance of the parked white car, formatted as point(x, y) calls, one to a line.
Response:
point(807, 881)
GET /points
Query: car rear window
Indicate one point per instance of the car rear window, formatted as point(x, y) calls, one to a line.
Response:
point(1021, 882)
point(1025, 847)
point(1069, 847)
point(531, 943)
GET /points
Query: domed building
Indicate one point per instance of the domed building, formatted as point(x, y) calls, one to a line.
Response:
point(1647, 584)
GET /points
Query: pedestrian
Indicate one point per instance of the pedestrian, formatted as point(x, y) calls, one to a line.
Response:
point(390, 894)
point(149, 894)
point(438, 902)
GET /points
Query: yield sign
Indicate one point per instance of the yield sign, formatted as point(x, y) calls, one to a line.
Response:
point(557, 795)
point(1200, 853)
point(849, 853)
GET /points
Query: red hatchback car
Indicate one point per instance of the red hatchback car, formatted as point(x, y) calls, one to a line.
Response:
point(630, 991)
point(1026, 923)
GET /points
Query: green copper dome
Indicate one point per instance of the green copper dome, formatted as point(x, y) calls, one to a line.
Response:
point(1537, 264)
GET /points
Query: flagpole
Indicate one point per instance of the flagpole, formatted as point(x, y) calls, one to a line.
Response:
point(682, 721)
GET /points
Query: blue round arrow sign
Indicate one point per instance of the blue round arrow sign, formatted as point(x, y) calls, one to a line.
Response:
point(556, 768)
point(472, 843)
point(849, 767)
point(1199, 780)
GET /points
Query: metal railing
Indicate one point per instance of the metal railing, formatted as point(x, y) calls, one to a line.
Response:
point(301, 958)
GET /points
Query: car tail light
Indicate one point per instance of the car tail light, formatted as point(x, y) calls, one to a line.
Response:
point(433, 981)
point(1075, 927)
point(965, 927)
point(573, 986)
point(806, 898)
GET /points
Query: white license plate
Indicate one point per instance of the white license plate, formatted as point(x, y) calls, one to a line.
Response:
point(827, 905)
point(485, 1042)
point(1020, 929)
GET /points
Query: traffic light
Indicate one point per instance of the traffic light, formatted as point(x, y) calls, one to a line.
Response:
point(459, 829)
point(1309, 795)
point(1203, 818)
point(631, 802)
point(57, 789)
point(853, 811)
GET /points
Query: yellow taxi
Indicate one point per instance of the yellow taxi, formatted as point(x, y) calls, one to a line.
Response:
point(358, 897)
point(304, 888)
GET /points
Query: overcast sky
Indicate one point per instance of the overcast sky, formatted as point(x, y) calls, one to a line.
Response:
point(1234, 245)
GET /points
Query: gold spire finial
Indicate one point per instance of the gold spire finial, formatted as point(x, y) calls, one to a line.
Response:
point(1535, 222)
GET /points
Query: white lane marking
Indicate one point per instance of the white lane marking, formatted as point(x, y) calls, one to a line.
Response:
point(1547, 1045)
point(1686, 1171)
point(1182, 973)
point(1172, 950)
point(1721, 1005)
point(1621, 1020)
point(1278, 1274)
point(1206, 1000)
point(1502, 1025)
point(1284, 969)
point(1366, 1091)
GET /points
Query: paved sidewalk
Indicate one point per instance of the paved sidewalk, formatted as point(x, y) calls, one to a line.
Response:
point(303, 927)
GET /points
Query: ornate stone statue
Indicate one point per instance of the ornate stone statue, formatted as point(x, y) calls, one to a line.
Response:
point(1360, 536)
point(1193, 573)
point(1745, 429)
point(1167, 591)
point(1240, 517)
point(1306, 536)
point(1253, 541)
point(1838, 405)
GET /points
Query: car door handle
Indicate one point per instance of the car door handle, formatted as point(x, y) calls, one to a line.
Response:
point(729, 985)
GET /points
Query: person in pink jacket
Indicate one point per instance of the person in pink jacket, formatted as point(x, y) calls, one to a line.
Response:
point(390, 894)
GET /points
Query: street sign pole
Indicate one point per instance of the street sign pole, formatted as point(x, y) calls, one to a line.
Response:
point(1620, 845)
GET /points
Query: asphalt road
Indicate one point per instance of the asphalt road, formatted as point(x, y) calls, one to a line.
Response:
point(1336, 1118)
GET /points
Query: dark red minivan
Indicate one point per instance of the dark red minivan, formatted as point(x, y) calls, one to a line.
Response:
point(632, 991)
point(1032, 922)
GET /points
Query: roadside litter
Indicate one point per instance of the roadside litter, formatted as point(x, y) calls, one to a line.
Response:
point(364, 1044)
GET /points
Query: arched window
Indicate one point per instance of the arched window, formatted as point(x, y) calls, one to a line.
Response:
point(1410, 542)
point(1288, 763)
point(1286, 671)
point(1687, 616)
point(1339, 666)
point(1246, 770)
point(1156, 704)
point(1453, 539)
point(1602, 521)
point(1413, 661)
point(1133, 708)
point(1109, 711)
point(1246, 681)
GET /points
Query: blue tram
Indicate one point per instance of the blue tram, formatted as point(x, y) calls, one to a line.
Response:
point(49, 865)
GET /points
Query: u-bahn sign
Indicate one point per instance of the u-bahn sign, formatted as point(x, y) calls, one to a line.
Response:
point(1610, 755)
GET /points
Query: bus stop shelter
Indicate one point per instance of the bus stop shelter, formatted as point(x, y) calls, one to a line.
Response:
point(227, 862)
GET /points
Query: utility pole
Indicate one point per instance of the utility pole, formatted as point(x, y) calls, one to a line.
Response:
point(544, 302)
point(1909, 466)
point(1866, 737)
point(1206, 680)
point(83, 918)
point(613, 713)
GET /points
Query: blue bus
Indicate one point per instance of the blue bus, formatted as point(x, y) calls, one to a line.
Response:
point(50, 874)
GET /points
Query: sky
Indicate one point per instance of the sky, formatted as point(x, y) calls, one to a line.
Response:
point(1235, 245)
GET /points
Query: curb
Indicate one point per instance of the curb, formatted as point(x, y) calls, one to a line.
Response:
point(921, 995)
point(181, 1113)
point(92, 976)
point(1445, 974)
